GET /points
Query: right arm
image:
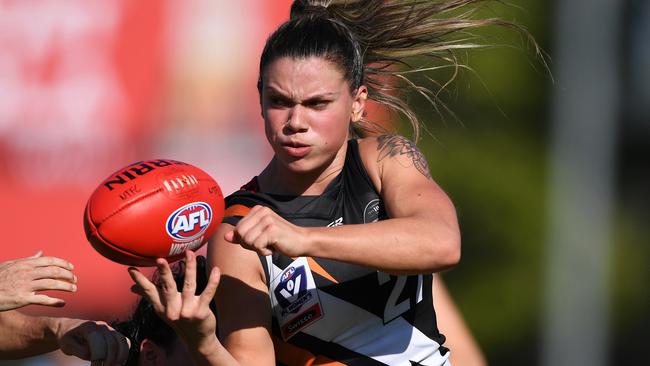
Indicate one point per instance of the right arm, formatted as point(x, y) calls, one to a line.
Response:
point(25, 336)
point(243, 304)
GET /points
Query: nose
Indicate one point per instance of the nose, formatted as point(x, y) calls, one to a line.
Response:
point(297, 121)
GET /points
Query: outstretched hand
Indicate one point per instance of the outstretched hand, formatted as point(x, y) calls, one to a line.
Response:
point(93, 341)
point(22, 279)
point(187, 313)
point(264, 231)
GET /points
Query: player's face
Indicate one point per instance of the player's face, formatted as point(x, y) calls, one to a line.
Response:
point(307, 108)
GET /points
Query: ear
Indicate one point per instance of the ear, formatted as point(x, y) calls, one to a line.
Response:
point(151, 354)
point(359, 103)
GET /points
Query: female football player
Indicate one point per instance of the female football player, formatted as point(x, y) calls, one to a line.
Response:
point(327, 255)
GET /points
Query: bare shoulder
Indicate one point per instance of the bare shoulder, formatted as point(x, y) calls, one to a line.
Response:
point(391, 149)
point(233, 260)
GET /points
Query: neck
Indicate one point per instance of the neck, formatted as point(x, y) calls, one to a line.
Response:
point(277, 178)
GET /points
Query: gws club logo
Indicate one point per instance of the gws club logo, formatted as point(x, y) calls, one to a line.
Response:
point(189, 222)
point(292, 289)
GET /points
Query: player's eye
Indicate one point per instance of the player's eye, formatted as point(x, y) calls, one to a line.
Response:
point(279, 102)
point(317, 103)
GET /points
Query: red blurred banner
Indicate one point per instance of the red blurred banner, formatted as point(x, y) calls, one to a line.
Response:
point(89, 86)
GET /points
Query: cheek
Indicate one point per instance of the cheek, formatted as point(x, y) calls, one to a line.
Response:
point(332, 130)
point(273, 124)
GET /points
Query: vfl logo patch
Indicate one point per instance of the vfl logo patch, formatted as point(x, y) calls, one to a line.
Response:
point(294, 298)
point(291, 292)
point(189, 222)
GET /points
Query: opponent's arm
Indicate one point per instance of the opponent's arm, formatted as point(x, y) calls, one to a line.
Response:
point(243, 305)
point(187, 313)
point(465, 350)
point(421, 236)
point(25, 336)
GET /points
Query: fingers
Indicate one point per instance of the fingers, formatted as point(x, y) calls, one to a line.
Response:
point(252, 231)
point(40, 299)
point(145, 288)
point(53, 272)
point(189, 285)
point(210, 288)
point(48, 284)
point(167, 287)
point(249, 224)
point(51, 261)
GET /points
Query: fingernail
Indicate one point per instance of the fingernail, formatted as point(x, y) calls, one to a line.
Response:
point(74, 287)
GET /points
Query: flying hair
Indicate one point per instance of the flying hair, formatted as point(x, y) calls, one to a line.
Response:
point(377, 43)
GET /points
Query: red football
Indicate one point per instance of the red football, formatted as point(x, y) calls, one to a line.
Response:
point(153, 209)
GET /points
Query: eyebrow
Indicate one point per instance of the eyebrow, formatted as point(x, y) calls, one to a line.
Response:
point(318, 96)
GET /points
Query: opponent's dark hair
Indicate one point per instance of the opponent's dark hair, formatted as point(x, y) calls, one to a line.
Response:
point(370, 41)
point(145, 324)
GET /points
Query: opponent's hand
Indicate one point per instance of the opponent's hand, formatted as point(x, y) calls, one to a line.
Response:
point(21, 279)
point(264, 232)
point(94, 341)
point(188, 314)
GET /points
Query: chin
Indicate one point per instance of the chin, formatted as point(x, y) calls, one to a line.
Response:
point(299, 166)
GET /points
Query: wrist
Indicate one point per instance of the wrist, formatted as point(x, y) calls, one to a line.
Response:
point(207, 347)
point(312, 242)
point(306, 245)
point(53, 327)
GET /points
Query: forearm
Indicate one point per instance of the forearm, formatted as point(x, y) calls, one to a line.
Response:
point(24, 336)
point(399, 246)
point(209, 352)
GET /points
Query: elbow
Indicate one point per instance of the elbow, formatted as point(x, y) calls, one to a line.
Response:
point(447, 254)
point(453, 253)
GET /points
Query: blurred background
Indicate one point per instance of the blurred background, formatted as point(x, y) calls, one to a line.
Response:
point(548, 171)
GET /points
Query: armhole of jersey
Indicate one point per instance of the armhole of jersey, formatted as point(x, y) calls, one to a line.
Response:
point(355, 155)
point(266, 262)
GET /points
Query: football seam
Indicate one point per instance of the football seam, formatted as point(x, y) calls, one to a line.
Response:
point(113, 245)
point(127, 206)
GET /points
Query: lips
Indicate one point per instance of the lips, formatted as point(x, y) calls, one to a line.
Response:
point(296, 149)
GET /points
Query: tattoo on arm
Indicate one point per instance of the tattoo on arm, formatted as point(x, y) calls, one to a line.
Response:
point(393, 145)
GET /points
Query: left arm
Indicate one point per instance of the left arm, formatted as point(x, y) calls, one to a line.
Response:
point(421, 236)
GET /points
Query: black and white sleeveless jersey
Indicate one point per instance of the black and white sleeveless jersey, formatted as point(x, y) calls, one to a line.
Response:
point(327, 312)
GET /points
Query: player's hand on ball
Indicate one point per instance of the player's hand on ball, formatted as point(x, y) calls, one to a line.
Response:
point(188, 313)
point(264, 232)
point(93, 341)
point(22, 279)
